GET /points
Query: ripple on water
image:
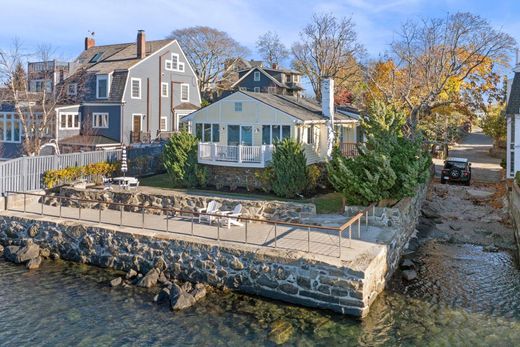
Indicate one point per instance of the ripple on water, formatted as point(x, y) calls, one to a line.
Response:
point(463, 297)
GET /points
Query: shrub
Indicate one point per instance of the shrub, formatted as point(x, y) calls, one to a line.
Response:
point(265, 177)
point(53, 178)
point(314, 174)
point(180, 161)
point(289, 169)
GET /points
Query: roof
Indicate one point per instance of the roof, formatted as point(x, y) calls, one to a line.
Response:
point(462, 160)
point(263, 70)
point(186, 106)
point(88, 140)
point(513, 103)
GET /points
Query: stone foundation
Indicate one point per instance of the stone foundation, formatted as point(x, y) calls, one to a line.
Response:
point(235, 177)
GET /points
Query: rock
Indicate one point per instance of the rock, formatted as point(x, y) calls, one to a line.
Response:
point(150, 279)
point(1, 250)
point(184, 300)
point(131, 274)
point(407, 264)
point(34, 263)
point(187, 286)
point(175, 291)
point(45, 253)
point(477, 194)
point(160, 264)
point(455, 227)
point(163, 296)
point(409, 275)
point(55, 256)
point(116, 282)
point(10, 253)
point(490, 248)
point(236, 264)
point(27, 253)
point(32, 231)
point(430, 213)
point(163, 279)
point(281, 332)
point(199, 293)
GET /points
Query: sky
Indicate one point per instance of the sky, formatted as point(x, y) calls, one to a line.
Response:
point(65, 23)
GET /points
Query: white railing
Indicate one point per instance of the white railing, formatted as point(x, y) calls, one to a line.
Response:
point(217, 154)
point(25, 174)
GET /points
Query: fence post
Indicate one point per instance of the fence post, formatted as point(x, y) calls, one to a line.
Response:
point(359, 228)
point(218, 229)
point(350, 236)
point(24, 174)
point(246, 231)
point(308, 239)
point(24, 202)
point(142, 218)
point(239, 154)
point(339, 243)
point(43, 196)
point(275, 235)
point(120, 215)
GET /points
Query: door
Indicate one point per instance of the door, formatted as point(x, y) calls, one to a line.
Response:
point(136, 128)
point(246, 135)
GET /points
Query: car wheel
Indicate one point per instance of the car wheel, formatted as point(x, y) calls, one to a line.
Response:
point(443, 181)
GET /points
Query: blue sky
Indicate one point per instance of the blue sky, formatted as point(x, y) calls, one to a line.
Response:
point(65, 23)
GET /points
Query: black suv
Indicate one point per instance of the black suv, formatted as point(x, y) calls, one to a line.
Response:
point(456, 170)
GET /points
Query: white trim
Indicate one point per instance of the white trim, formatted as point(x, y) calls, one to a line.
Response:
point(176, 55)
point(95, 115)
point(168, 65)
point(188, 98)
point(191, 69)
point(67, 114)
point(100, 104)
point(135, 115)
point(163, 84)
point(256, 90)
point(132, 80)
point(13, 120)
point(257, 73)
point(261, 70)
point(75, 85)
point(97, 85)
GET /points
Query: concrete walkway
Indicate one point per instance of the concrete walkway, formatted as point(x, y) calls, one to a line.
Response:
point(475, 147)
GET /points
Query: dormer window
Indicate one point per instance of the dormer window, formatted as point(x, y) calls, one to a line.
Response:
point(296, 78)
point(175, 61)
point(72, 89)
point(96, 57)
point(257, 76)
point(102, 86)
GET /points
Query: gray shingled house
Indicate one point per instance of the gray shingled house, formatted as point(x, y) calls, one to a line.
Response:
point(125, 93)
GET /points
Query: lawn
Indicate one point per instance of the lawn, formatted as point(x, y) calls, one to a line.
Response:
point(325, 203)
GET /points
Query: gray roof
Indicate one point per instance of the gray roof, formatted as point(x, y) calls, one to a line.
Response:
point(92, 140)
point(513, 103)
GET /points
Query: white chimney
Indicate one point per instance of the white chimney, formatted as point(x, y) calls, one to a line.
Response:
point(327, 108)
point(517, 62)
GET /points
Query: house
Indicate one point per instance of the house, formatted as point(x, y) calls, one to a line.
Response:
point(45, 75)
point(513, 125)
point(272, 80)
point(125, 94)
point(239, 130)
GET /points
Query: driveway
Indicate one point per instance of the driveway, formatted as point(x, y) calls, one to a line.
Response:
point(476, 147)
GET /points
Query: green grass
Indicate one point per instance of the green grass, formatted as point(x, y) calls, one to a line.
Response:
point(325, 203)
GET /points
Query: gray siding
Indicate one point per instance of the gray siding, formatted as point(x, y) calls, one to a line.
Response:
point(114, 121)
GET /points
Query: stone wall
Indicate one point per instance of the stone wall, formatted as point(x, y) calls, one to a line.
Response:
point(235, 177)
point(259, 209)
point(293, 277)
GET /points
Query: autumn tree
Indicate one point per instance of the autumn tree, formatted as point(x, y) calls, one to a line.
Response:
point(207, 50)
point(271, 49)
point(446, 62)
point(328, 46)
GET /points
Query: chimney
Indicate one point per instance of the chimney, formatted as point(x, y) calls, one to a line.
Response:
point(141, 44)
point(327, 97)
point(274, 66)
point(89, 42)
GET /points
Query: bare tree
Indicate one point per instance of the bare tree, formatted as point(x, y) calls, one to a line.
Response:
point(435, 61)
point(207, 50)
point(33, 111)
point(271, 49)
point(328, 47)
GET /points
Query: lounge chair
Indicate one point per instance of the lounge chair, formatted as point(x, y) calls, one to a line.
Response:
point(231, 217)
point(211, 208)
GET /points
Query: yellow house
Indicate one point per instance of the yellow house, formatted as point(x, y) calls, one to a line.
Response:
point(240, 129)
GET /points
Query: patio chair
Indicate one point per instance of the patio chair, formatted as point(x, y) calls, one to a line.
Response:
point(231, 217)
point(107, 183)
point(132, 182)
point(211, 208)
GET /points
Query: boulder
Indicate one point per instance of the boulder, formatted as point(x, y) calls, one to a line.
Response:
point(55, 256)
point(116, 282)
point(131, 274)
point(1, 250)
point(24, 254)
point(163, 279)
point(10, 253)
point(430, 213)
point(184, 300)
point(187, 286)
point(199, 293)
point(490, 248)
point(45, 253)
point(160, 264)
point(150, 279)
point(455, 227)
point(163, 296)
point(409, 275)
point(34, 263)
point(32, 231)
point(477, 194)
point(407, 264)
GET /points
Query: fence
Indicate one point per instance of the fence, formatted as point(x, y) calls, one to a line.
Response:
point(329, 241)
point(25, 173)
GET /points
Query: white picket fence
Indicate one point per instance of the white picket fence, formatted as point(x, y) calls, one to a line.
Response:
point(25, 174)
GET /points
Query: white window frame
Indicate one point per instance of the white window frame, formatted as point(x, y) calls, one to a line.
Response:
point(102, 77)
point(12, 119)
point(165, 124)
point(168, 65)
point(296, 79)
point(75, 89)
point(66, 115)
point(181, 66)
point(163, 94)
point(256, 89)
point(255, 74)
point(132, 80)
point(142, 120)
point(240, 108)
point(176, 66)
point(100, 116)
point(188, 92)
point(242, 89)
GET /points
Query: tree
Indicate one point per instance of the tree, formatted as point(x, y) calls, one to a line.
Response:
point(289, 169)
point(328, 47)
point(181, 163)
point(494, 123)
point(271, 49)
point(207, 50)
point(441, 62)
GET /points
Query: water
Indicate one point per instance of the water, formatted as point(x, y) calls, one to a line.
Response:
point(463, 297)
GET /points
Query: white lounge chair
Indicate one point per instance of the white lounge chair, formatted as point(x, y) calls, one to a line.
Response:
point(231, 217)
point(211, 208)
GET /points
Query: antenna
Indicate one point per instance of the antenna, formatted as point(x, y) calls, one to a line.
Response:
point(91, 33)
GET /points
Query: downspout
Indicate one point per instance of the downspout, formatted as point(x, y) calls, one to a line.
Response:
point(148, 105)
point(172, 110)
point(159, 95)
point(122, 121)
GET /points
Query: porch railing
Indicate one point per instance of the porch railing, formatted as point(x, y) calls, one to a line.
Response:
point(213, 153)
point(349, 149)
point(139, 136)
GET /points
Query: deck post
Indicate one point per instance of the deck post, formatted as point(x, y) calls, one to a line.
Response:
point(350, 236)
point(359, 228)
point(213, 151)
point(275, 235)
point(239, 154)
point(24, 202)
point(262, 155)
point(339, 242)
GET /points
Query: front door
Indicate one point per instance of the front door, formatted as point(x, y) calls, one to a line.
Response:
point(246, 135)
point(136, 128)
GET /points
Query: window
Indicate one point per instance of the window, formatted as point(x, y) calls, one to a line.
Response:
point(266, 134)
point(10, 128)
point(136, 88)
point(238, 107)
point(99, 120)
point(168, 65)
point(175, 62)
point(274, 133)
point(310, 134)
point(164, 124)
point(181, 67)
point(72, 89)
point(242, 89)
point(102, 86)
point(296, 78)
point(257, 76)
point(207, 132)
point(96, 57)
point(257, 90)
point(185, 92)
point(233, 135)
point(164, 90)
point(271, 90)
point(69, 120)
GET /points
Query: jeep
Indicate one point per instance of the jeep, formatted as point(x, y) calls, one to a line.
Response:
point(456, 170)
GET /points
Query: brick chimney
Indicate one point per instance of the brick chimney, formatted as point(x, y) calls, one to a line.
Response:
point(89, 42)
point(141, 44)
point(274, 66)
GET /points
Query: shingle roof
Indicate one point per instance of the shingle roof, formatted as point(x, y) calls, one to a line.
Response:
point(513, 103)
point(88, 140)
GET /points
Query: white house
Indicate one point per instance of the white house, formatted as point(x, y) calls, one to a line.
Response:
point(513, 125)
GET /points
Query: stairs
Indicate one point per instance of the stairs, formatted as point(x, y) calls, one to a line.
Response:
point(311, 154)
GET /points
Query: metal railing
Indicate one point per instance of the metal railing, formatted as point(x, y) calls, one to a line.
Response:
point(25, 173)
point(140, 136)
point(349, 149)
point(222, 154)
point(308, 238)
